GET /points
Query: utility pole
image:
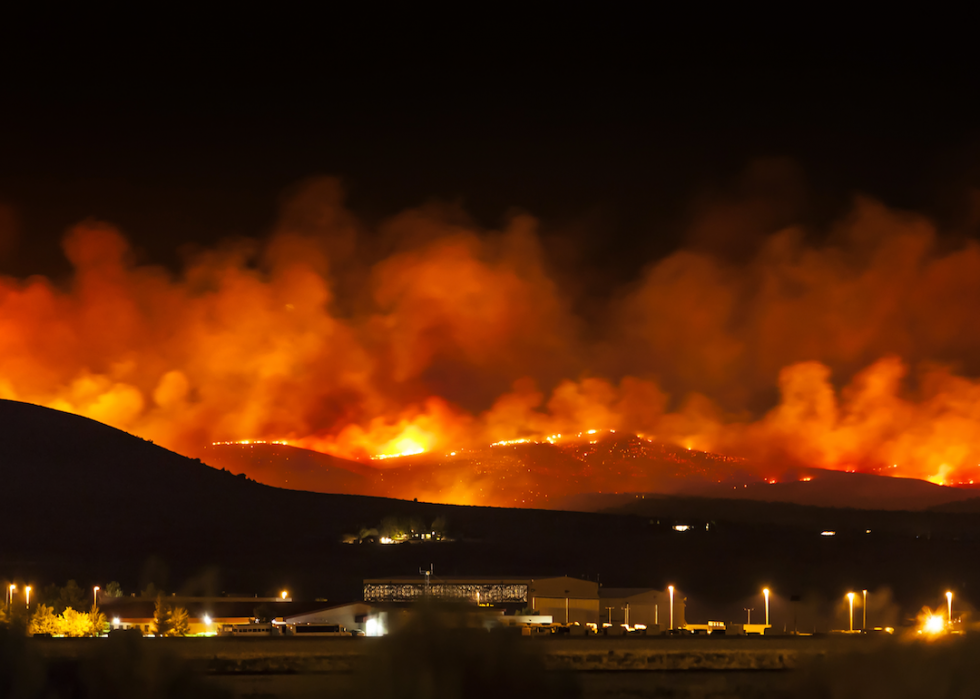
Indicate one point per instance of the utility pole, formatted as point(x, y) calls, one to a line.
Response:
point(609, 612)
point(427, 574)
point(748, 611)
point(864, 607)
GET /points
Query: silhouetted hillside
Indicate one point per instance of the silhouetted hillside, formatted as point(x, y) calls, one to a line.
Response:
point(284, 466)
point(82, 500)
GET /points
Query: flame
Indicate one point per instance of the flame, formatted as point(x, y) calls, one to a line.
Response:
point(459, 337)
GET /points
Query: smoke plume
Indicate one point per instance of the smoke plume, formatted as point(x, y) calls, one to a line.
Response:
point(853, 347)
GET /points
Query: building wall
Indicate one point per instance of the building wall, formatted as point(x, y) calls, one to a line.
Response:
point(582, 611)
point(350, 616)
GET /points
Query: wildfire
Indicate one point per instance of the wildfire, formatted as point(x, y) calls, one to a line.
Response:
point(460, 337)
point(248, 442)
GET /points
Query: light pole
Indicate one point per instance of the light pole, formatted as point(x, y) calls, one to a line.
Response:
point(864, 609)
point(748, 615)
point(949, 606)
point(10, 596)
point(850, 599)
point(27, 593)
point(765, 592)
point(670, 588)
point(95, 595)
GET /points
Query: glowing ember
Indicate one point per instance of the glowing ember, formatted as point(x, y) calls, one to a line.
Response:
point(247, 442)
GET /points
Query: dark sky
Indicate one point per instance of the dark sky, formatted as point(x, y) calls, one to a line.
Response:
point(607, 126)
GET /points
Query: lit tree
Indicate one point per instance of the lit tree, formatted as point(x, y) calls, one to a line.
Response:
point(161, 618)
point(44, 620)
point(75, 624)
point(169, 620)
point(98, 621)
point(180, 624)
point(15, 620)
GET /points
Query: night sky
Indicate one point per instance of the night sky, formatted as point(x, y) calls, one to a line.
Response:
point(610, 128)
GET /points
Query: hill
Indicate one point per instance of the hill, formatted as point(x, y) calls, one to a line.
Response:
point(284, 466)
point(564, 475)
point(82, 500)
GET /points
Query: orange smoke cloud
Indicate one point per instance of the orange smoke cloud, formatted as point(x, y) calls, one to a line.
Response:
point(432, 334)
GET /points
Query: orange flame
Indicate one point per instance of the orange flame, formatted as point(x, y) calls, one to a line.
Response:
point(462, 337)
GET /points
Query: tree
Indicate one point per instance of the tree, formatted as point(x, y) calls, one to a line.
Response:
point(169, 620)
point(161, 618)
point(61, 598)
point(439, 527)
point(98, 620)
point(44, 620)
point(113, 589)
point(263, 613)
point(75, 624)
point(392, 528)
point(151, 591)
point(180, 624)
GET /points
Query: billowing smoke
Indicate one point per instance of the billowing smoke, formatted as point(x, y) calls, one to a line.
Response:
point(428, 332)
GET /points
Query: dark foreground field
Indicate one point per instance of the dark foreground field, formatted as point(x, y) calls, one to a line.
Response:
point(428, 662)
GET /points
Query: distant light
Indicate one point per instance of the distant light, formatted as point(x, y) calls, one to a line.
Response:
point(207, 620)
point(828, 533)
point(681, 527)
point(934, 624)
point(867, 531)
point(115, 621)
point(284, 594)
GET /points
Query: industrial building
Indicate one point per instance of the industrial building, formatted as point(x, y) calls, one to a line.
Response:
point(567, 600)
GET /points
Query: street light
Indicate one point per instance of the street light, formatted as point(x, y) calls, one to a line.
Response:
point(10, 596)
point(27, 592)
point(765, 592)
point(850, 599)
point(864, 608)
point(95, 595)
point(283, 594)
point(670, 588)
point(949, 606)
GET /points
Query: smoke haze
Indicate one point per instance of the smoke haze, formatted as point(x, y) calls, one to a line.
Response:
point(850, 347)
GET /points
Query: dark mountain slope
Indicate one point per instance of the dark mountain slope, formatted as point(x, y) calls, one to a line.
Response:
point(82, 500)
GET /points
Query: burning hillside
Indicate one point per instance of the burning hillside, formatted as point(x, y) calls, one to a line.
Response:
point(426, 335)
point(521, 473)
point(583, 472)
